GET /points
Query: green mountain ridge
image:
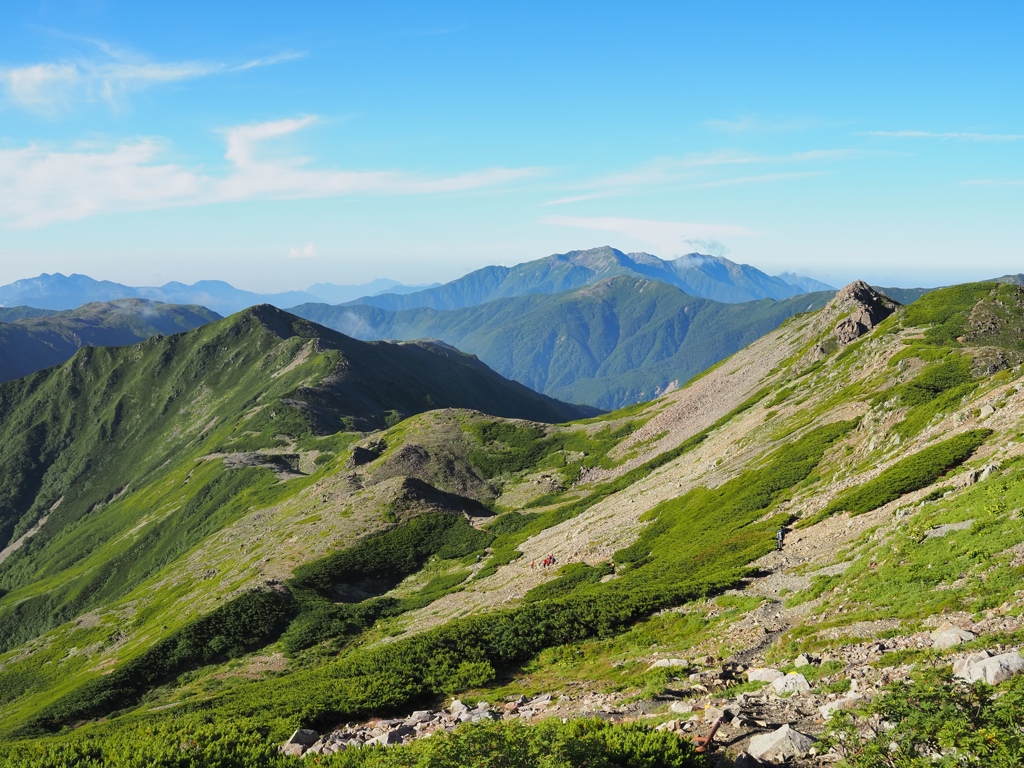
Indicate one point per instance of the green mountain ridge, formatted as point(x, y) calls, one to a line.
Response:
point(283, 578)
point(711, 277)
point(616, 342)
point(31, 340)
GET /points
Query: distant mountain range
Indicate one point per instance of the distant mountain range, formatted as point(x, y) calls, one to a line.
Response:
point(709, 277)
point(622, 340)
point(39, 338)
point(60, 292)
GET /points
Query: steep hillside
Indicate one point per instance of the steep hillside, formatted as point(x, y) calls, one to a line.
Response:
point(134, 424)
point(40, 338)
point(710, 277)
point(11, 314)
point(623, 566)
point(610, 344)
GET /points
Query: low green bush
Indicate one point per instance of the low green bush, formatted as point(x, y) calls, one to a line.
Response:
point(916, 471)
point(385, 559)
point(570, 577)
point(935, 720)
point(192, 743)
point(248, 622)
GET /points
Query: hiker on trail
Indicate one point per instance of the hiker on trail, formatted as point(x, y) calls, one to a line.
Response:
point(778, 539)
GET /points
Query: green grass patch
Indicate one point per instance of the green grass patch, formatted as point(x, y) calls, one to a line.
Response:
point(917, 471)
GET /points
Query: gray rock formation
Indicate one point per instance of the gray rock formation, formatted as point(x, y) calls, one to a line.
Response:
point(300, 741)
point(794, 682)
point(995, 669)
point(780, 744)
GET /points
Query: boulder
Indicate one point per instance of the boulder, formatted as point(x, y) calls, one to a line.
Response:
point(300, 741)
point(803, 660)
point(849, 702)
point(947, 637)
point(746, 760)
point(457, 707)
point(994, 670)
point(681, 707)
point(386, 739)
point(765, 675)
point(969, 661)
point(668, 663)
point(794, 682)
point(419, 716)
point(780, 744)
point(712, 713)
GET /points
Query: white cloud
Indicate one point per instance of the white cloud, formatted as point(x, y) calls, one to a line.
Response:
point(759, 125)
point(39, 186)
point(668, 237)
point(947, 136)
point(308, 251)
point(759, 179)
point(54, 87)
point(704, 169)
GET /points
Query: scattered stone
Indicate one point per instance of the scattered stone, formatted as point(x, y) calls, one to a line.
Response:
point(849, 702)
point(457, 707)
point(794, 682)
point(746, 760)
point(681, 707)
point(386, 739)
point(959, 667)
point(948, 636)
point(668, 663)
point(994, 670)
point(766, 675)
point(300, 741)
point(712, 713)
point(780, 744)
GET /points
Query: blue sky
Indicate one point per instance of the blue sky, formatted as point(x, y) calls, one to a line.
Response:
point(276, 145)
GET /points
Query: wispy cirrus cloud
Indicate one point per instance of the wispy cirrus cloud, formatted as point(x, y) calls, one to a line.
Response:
point(992, 183)
point(946, 136)
point(669, 238)
point(704, 169)
point(108, 74)
point(763, 178)
point(748, 124)
point(39, 186)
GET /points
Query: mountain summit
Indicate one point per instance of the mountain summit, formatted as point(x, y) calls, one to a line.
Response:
point(709, 277)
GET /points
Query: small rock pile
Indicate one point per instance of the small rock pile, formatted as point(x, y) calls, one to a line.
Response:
point(776, 724)
point(418, 725)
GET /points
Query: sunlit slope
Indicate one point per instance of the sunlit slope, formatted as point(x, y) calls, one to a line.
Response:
point(859, 426)
point(110, 462)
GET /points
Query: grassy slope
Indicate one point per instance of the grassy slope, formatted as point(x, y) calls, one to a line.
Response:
point(798, 440)
point(41, 339)
point(614, 343)
point(108, 452)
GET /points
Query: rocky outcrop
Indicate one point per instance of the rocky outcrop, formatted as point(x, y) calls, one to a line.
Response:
point(859, 308)
point(993, 670)
point(780, 744)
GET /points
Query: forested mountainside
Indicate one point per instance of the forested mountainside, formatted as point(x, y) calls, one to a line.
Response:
point(31, 340)
point(265, 576)
point(709, 277)
point(614, 343)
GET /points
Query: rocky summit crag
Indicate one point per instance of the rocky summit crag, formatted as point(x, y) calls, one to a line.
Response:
point(238, 582)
